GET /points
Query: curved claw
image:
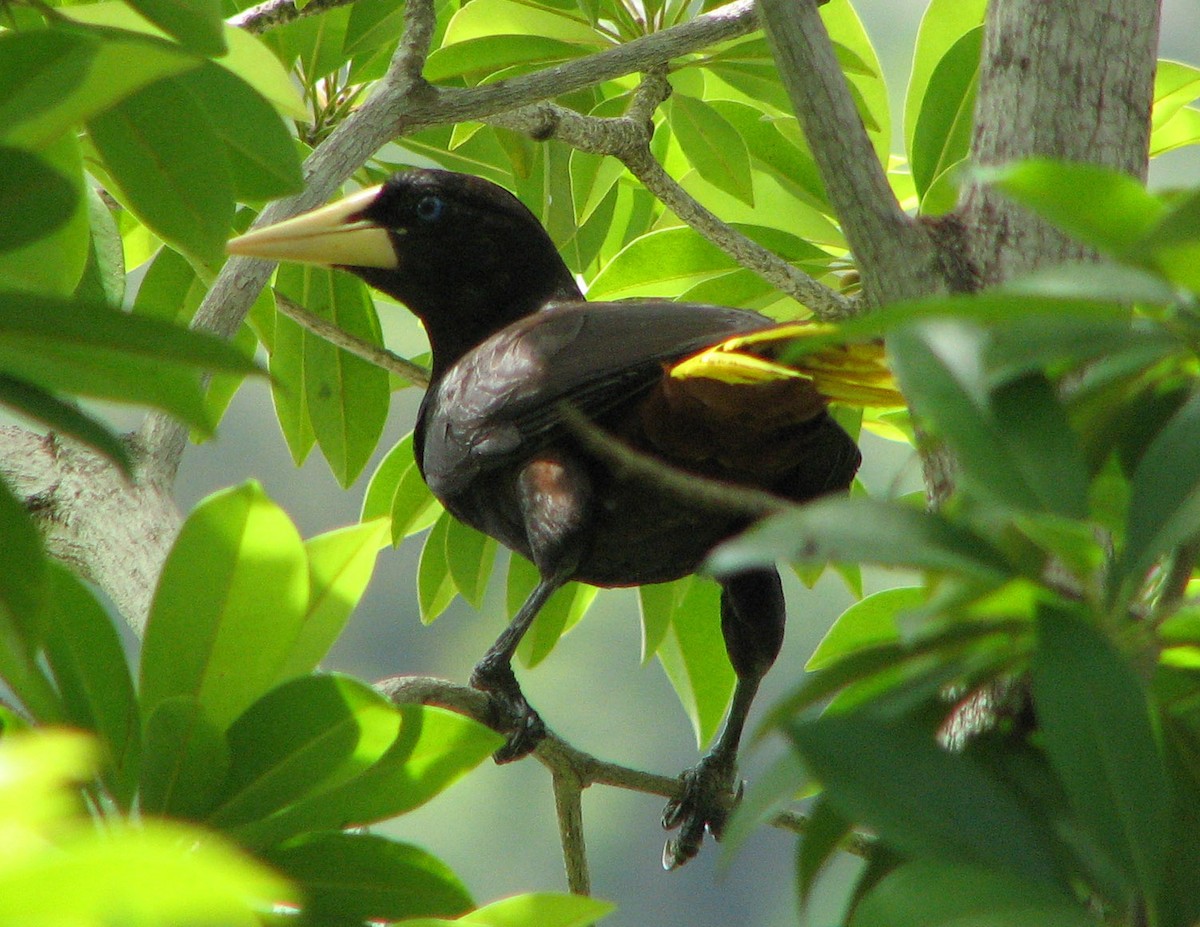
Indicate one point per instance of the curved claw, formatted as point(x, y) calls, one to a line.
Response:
point(528, 731)
point(511, 713)
point(703, 805)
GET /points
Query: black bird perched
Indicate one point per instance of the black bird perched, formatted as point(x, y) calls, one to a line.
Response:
point(513, 339)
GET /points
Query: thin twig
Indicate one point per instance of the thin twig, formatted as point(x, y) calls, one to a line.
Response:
point(565, 761)
point(568, 805)
point(371, 353)
point(623, 459)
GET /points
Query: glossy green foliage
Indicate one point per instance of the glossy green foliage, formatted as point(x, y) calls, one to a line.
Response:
point(231, 726)
point(1057, 570)
point(1068, 401)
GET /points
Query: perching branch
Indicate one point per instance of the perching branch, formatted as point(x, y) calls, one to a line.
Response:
point(572, 769)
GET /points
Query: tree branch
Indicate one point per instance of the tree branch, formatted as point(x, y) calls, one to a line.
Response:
point(113, 532)
point(559, 757)
point(627, 138)
point(896, 256)
point(274, 13)
point(359, 347)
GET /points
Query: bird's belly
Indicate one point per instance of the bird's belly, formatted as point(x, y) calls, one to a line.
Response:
point(635, 534)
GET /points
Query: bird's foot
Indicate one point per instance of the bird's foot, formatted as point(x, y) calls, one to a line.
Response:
point(707, 798)
point(511, 713)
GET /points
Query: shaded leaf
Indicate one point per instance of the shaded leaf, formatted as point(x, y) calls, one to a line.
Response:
point(197, 24)
point(34, 198)
point(368, 877)
point(945, 893)
point(867, 530)
point(1096, 725)
point(305, 737)
point(932, 804)
point(184, 759)
point(88, 662)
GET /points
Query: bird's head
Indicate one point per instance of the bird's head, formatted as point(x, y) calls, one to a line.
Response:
point(463, 254)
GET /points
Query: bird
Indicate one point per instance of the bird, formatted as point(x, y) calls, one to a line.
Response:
point(519, 357)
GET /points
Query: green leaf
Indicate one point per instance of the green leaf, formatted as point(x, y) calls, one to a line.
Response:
point(63, 418)
point(88, 662)
point(1101, 207)
point(435, 748)
point(712, 146)
point(693, 655)
point(1097, 729)
point(480, 57)
point(230, 604)
point(368, 877)
point(256, 64)
point(823, 834)
point(1164, 503)
point(936, 893)
point(866, 623)
point(35, 198)
point(1180, 131)
point(542, 909)
point(558, 615)
point(162, 873)
point(24, 610)
point(346, 397)
point(932, 804)
point(1013, 441)
point(1175, 85)
point(374, 24)
point(340, 564)
point(435, 584)
point(197, 24)
point(656, 604)
point(103, 278)
point(288, 386)
point(866, 530)
point(170, 290)
point(397, 490)
point(482, 18)
point(303, 738)
point(470, 555)
point(263, 158)
point(184, 759)
point(942, 25)
point(54, 261)
point(51, 80)
point(188, 202)
point(95, 350)
point(942, 135)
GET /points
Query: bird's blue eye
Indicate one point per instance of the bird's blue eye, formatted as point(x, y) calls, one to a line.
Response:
point(430, 208)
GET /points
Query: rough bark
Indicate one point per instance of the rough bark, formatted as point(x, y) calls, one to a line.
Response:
point(1072, 81)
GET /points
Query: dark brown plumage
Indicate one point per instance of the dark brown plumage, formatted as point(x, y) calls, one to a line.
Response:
point(513, 339)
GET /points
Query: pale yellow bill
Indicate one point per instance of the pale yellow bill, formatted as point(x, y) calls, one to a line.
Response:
point(326, 236)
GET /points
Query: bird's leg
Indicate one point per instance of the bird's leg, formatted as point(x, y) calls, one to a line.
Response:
point(553, 492)
point(493, 674)
point(752, 618)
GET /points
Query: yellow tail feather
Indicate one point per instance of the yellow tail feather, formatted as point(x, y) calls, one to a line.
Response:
point(852, 374)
